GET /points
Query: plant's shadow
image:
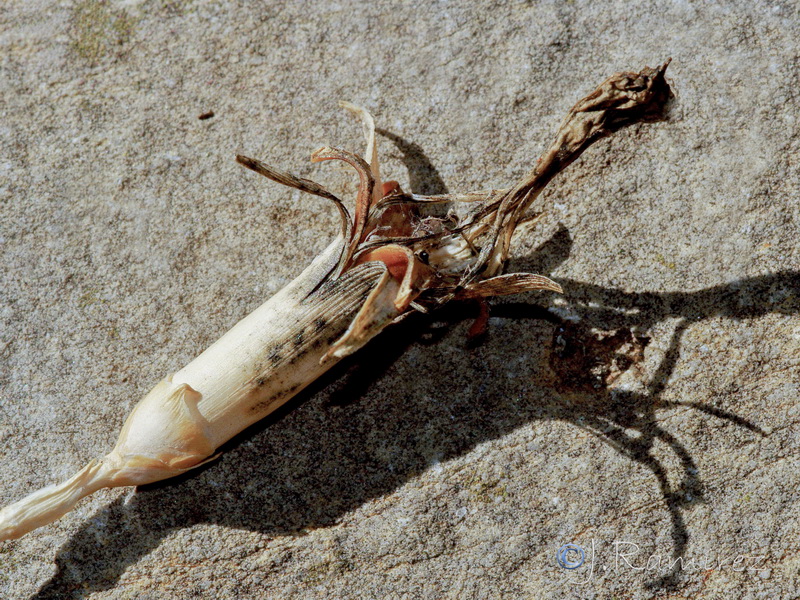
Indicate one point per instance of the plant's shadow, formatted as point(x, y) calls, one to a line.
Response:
point(423, 177)
point(305, 468)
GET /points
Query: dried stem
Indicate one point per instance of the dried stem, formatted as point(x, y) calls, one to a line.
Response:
point(622, 99)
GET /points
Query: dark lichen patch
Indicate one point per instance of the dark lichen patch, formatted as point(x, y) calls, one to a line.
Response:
point(98, 30)
point(590, 360)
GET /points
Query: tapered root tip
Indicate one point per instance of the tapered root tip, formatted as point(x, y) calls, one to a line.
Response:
point(50, 503)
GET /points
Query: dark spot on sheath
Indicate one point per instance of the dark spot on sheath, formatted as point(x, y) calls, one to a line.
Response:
point(320, 324)
point(263, 404)
point(362, 298)
point(299, 339)
point(276, 355)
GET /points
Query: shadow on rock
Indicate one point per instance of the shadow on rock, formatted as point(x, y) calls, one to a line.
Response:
point(423, 177)
point(306, 467)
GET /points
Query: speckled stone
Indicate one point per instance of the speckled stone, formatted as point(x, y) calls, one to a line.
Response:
point(650, 415)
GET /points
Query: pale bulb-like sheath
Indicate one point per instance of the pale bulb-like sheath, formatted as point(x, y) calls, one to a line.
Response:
point(263, 361)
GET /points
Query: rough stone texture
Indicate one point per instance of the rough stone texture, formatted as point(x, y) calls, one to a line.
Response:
point(655, 404)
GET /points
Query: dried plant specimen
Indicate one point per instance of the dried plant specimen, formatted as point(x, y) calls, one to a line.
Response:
point(388, 261)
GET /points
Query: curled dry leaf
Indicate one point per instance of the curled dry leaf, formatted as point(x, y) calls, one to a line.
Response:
point(388, 260)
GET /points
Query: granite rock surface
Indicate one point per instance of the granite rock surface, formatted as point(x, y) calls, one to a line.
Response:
point(649, 416)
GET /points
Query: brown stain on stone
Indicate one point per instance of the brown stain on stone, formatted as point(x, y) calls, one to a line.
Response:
point(585, 359)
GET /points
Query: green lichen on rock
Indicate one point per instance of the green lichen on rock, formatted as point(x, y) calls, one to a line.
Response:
point(99, 30)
